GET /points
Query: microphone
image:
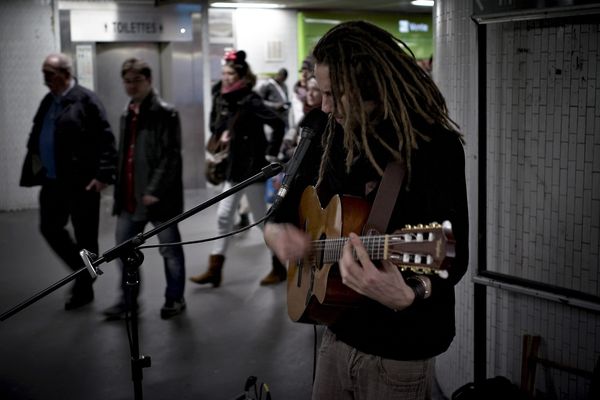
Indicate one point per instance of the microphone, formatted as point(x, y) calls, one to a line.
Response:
point(313, 123)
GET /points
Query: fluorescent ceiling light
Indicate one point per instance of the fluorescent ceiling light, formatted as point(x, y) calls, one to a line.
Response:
point(423, 3)
point(322, 21)
point(246, 5)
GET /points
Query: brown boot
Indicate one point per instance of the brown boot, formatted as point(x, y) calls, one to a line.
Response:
point(213, 274)
point(278, 273)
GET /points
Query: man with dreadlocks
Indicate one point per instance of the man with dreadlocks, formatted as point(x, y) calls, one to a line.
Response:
point(382, 107)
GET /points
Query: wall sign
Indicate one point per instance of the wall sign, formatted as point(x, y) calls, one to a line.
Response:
point(406, 26)
point(84, 54)
point(128, 26)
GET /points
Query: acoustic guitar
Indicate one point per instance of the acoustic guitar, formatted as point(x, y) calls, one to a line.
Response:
point(316, 293)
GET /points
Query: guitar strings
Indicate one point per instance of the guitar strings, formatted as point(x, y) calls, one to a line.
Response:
point(330, 250)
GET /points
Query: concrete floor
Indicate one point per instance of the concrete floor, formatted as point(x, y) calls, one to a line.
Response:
point(224, 336)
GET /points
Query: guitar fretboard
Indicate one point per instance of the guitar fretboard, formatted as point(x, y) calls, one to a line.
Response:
point(328, 251)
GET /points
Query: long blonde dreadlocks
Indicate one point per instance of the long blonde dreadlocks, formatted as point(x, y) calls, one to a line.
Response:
point(366, 63)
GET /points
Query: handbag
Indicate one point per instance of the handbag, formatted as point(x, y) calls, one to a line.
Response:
point(216, 160)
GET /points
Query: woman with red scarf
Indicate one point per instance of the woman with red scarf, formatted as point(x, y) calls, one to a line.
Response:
point(238, 117)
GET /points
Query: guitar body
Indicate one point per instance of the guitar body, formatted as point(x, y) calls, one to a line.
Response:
point(316, 293)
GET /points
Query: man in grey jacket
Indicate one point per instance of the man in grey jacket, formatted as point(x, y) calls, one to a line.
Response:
point(149, 182)
point(275, 95)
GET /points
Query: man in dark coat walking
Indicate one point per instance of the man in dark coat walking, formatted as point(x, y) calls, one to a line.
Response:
point(149, 184)
point(71, 154)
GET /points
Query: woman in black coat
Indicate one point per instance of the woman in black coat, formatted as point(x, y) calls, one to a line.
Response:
point(237, 119)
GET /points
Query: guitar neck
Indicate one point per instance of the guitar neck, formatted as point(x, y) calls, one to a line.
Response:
point(421, 248)
point(330, 250)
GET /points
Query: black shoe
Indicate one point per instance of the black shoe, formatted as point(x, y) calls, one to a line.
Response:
point(172, 308)
point(118, 311)
point(76, 301)
point(244, 222)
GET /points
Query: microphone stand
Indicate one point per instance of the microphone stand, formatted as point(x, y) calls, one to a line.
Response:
point(132, 258)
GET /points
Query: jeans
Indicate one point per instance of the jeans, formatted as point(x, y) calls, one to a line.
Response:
point(60, 202)
point(174, 260)
point(344, 373)
point(255, 194)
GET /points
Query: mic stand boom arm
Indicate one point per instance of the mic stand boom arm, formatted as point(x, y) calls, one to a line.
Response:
point(136, 241)
point(132, 258)
point(267, 172)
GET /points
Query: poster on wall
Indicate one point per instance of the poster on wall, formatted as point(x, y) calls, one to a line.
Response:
point(84, 54)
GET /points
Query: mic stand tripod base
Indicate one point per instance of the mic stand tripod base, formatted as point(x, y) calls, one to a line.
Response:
point(132, 258)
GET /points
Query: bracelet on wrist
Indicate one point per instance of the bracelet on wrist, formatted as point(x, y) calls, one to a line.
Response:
point(419, 286)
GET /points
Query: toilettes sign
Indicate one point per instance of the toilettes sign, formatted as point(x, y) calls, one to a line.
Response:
point(128, 26)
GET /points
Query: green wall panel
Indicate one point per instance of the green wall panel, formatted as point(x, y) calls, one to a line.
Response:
point(416, 29)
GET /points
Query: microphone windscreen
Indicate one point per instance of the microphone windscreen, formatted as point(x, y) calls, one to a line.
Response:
point(315, 120)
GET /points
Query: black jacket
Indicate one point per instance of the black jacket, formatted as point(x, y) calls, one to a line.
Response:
point(84, 142)
point(437, 192)
point(158, 163)
point(244, 114)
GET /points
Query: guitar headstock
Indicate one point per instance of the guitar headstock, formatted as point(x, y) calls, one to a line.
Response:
point(424, 249)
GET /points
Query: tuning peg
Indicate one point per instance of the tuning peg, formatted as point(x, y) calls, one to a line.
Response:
point(442, 274)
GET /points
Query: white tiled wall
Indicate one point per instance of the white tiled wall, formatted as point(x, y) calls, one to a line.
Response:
point(543, 188)
point(455, 72)
point(27, 35)
point(543, 155)
point(543, 173)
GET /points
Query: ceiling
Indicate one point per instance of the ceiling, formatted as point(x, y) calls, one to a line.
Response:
point(351, 5)
point(398, 6)
point(403, 6)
